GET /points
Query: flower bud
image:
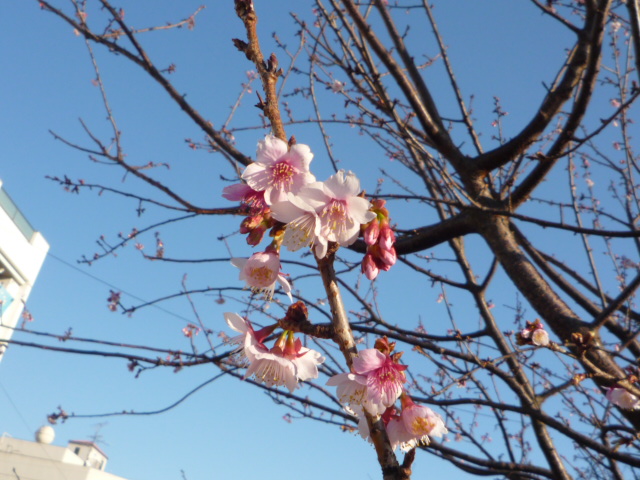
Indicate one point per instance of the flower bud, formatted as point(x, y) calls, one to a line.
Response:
point(372, 232)
point(388, 257)
point(387, 237)
point(369, 267)
point(256, 235)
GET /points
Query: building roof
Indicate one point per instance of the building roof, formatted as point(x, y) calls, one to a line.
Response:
point(89, 444)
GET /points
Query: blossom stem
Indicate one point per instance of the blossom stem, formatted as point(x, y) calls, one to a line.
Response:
point(342, 329)
point(268, 70)
point(344, 338)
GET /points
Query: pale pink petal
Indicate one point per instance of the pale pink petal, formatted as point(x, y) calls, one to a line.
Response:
point(236, 322)
point(320, 247)
point(236, 192)
point(256, 176)
point(273, 195)
point(307, 363)
point(301, 154)
point(359, 210)
point(270, 150)
point(368, 360)
point(287, 211)
point(239, 263)
point(342, 186)
point(286, 287)
point(314, 195)
point(351, 390)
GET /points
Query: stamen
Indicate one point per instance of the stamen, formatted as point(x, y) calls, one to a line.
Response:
point(282, 175)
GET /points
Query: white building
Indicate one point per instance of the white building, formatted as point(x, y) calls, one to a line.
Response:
point(39, 460)
point(22, 252)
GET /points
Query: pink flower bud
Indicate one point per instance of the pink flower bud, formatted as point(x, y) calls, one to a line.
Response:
point(372, 232)
point(387, 238)
point(388, 257)
point(369, 267)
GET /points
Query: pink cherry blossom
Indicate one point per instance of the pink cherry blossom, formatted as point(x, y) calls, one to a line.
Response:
point(540, 337)
point(421, 421)
point(269, 367)
point(352, 390)
point(261, 272)
point(285, 364)
point(340, 209)
point(385, 378)
point(413, 427)
point(534, 334)
point(337, 86)
point(396, 431)
point(303, 225)
point(278, 169)
point(623, 398)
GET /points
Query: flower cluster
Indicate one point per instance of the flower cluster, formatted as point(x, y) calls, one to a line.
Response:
point(380, 240)
point(533, 334)
point(286, 363)
point(374, 385)
point(281, 194)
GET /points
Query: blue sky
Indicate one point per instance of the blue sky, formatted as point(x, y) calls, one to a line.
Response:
point(228, 430)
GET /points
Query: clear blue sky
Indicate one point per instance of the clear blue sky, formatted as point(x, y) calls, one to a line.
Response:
point(228, 430)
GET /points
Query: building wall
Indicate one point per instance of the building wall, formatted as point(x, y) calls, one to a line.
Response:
point(22, 253)
point(39, 461)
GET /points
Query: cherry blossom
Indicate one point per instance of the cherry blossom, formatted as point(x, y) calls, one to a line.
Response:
point(303, 225)
point(340, 209)
point(533, 334)
point(261, 271)
point(384, 377)
point(622, 398)
point(540, 337)
point(337, 86)
point(421, 421)
point(285, 364)
point(352, 390)
point(414, 426)
point(278, 170)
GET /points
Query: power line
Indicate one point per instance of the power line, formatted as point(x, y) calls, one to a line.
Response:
point(116, 288)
